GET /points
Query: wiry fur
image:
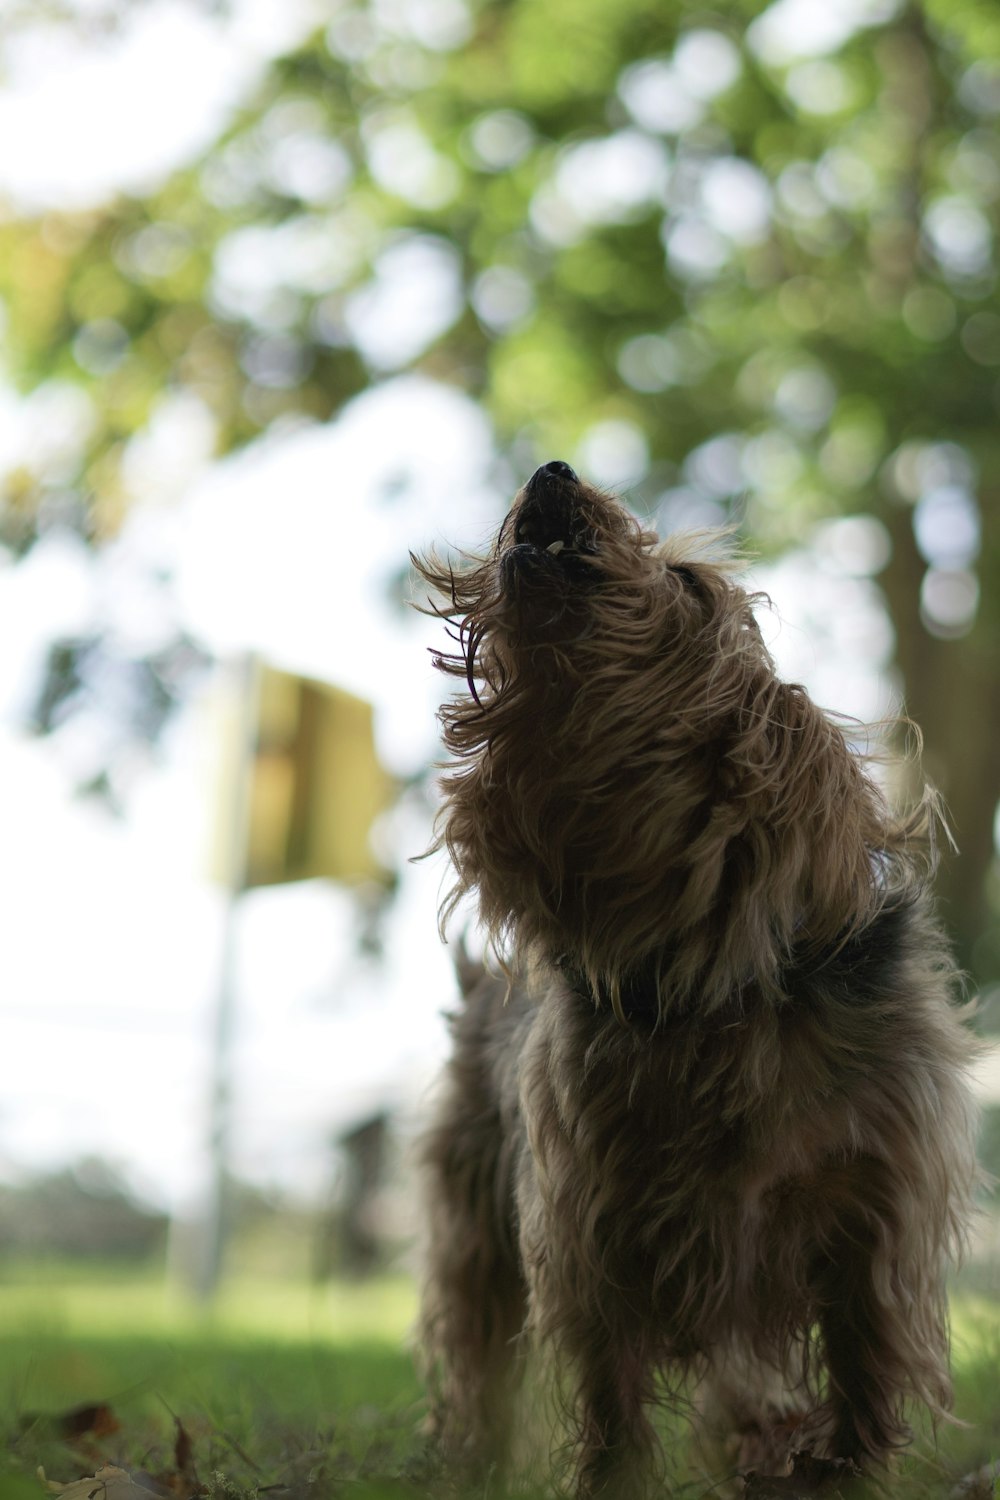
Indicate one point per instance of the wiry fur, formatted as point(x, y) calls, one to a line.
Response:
point(718, 1122)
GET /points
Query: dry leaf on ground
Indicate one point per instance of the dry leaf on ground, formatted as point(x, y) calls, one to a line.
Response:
point(109, 1483)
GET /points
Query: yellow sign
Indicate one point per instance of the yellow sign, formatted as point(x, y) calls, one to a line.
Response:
point(310, 786)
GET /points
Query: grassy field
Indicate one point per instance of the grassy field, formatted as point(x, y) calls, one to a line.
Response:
point(297, 1392)
point(284, 1386)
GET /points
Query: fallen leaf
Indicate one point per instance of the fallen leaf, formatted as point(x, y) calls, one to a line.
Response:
point(94, 1419)
point(97, 1420)
point(109, 1483)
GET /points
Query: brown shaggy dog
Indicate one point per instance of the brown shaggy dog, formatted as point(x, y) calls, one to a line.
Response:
point(717, 1127)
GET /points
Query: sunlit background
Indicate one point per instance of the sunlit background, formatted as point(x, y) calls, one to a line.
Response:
point(287, 290)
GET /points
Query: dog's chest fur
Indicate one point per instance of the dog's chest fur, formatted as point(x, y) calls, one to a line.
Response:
point(700, 1141)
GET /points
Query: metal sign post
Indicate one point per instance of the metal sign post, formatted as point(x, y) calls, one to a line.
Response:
point(245, 689)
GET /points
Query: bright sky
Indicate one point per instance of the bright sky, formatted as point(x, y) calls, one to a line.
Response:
point(109, 969)
point(109, 961)
point(109, 972)
point(91, 118)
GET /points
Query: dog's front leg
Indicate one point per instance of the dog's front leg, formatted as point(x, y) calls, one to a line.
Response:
point(865, 1380)
point(616, 1443)
point(881, 1315)
point(603, 1363)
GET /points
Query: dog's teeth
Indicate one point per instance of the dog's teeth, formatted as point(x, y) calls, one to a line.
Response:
point(555, 548)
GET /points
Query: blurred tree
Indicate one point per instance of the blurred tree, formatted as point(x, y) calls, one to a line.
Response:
point(87, 1211)
point(727, 258)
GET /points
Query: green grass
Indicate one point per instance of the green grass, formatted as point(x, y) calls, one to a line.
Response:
point(309, 1390)
point(72, 1302)
point(296, 1392)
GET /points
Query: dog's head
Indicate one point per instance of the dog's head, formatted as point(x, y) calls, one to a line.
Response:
point(633, 789)
point(559, 539)
point(572, 583)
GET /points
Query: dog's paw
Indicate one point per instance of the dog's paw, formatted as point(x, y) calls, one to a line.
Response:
point(810, 1476)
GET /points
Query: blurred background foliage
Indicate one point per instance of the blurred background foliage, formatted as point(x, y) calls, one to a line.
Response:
point(739, 261)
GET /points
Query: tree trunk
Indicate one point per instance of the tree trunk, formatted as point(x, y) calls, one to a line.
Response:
point(952, 691)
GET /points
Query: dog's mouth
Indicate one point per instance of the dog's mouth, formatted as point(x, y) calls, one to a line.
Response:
point(548, 531)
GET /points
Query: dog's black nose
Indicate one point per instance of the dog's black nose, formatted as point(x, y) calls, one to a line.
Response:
point(549, 482)
point(557, 469)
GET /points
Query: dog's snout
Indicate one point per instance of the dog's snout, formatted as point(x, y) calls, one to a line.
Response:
point(556, 469)
point(552, 484)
